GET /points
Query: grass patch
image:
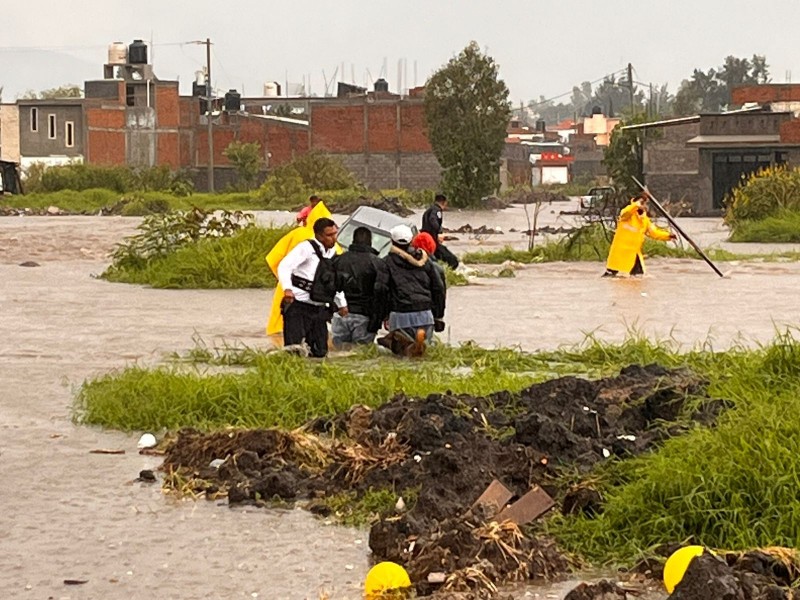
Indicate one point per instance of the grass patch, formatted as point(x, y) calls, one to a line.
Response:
point(453, 278)
point(279, 389)
point(782, 228)
point(590, 244)
point(211, 263)
point(733, 486)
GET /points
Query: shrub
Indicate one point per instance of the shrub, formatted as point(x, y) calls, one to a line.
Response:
point(763, 194)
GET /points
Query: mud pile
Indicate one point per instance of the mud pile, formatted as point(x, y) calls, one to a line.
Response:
point(445, 450)
point(389, 204)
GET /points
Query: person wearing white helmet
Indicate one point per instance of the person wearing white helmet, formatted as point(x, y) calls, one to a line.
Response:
point(411, 294)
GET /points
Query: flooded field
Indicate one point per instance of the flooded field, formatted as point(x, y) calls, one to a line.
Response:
point(68, 514)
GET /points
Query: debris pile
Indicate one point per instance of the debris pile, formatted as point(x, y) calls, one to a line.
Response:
point(442, 452)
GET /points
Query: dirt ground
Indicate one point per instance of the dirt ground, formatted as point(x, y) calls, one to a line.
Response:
point(69, 514)
point(448, 449)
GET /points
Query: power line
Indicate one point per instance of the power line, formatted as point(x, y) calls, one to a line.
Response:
point(598, 80)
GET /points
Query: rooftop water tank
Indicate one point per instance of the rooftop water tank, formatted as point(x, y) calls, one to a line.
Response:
point(272, 88)
point(137, 53)
point(381, 85)
point(117, 53)
point(233, 101)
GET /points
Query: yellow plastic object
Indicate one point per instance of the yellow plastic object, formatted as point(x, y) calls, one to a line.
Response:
point(384, 577)
point(676, 565)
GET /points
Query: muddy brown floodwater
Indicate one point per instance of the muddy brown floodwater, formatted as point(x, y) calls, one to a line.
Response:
point(68, 514)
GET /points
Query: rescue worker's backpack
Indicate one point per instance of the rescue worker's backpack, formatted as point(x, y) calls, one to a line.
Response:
point(323, 288)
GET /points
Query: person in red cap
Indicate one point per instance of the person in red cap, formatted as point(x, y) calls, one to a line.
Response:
point(306, 210)
point(425, 242)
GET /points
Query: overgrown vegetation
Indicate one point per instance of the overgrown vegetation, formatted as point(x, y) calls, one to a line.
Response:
point(766, 207)
point(246, 159)
point(308, 174)
point(733, 486)
point(122, 179)
point(590, 243)
point(195, 249)
point(783, 227)
point(280, 389)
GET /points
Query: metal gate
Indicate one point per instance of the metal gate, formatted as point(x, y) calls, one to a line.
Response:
point(731, 168)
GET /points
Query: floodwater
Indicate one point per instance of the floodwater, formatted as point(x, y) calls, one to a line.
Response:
point(68, 514)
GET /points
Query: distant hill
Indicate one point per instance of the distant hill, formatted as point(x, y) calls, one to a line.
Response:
point(37, 70)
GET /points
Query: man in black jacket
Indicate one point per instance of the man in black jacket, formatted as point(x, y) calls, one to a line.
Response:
point(356, 271)
point(411, 294)
point(432, 224)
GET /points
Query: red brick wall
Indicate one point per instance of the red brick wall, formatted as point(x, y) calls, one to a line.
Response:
point(106, 118)
point(790, 132)
point(337, 128)
point(413, 129)
point(105, 147)
point(166, 101)
point(167, 151)
point(382, 128)
point(764, 94)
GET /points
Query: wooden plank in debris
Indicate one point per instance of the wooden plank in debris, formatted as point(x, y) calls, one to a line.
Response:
point(531, 506)
point(494, 497)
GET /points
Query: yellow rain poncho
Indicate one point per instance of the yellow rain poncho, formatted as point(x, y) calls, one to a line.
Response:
point(632, 228)
point(280, 250)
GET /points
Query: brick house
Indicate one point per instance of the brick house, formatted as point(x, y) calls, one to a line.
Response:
point(699, 159)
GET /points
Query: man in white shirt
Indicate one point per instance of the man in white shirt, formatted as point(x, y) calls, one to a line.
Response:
point(307, 293)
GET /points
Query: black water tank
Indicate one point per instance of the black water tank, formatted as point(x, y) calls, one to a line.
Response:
point(541, 126)
point(199, 91)
point(233, 101)
point(137, 53)
point(381, 85)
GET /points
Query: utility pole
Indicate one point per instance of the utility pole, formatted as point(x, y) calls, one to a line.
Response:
point(210, 106)
point(630, 84)
point(209, 111)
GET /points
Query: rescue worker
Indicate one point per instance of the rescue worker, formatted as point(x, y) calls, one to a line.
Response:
point(410, 294)
point(357, 270)
point(307, 277)
point(280, 250)
point(625, 254)
point(432, 225)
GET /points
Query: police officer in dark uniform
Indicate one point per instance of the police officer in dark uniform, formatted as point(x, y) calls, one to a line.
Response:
point(432, 224)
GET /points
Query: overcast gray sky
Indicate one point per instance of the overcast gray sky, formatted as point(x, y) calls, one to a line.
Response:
point(543, 47)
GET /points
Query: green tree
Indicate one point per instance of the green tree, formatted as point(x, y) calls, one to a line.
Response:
point(246, 159)
point(623, 156)
point(711, 91)
point(467, 111)
point(68, 90)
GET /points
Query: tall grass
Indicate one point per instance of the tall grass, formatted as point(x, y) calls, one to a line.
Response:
point(590, 243)
point(211, 263)
point(734, 486)
point(280, 389)
point(781, 228)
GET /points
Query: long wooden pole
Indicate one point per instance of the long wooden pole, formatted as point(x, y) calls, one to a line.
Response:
point(677, 227)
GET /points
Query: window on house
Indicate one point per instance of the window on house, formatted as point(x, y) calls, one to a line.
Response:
point(69, 134)
point(34, 119)
point(51, 127)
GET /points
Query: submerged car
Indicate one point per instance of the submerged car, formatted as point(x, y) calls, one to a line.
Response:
point(379, 222)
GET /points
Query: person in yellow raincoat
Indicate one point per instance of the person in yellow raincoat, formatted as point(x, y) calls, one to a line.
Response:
point(280, 250)
point(633, 225)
